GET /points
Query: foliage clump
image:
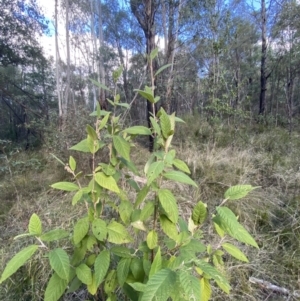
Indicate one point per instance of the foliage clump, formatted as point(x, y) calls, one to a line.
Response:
point(132, 240)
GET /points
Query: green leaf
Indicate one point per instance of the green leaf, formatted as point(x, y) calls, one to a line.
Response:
point(147, 211)
point(156, 264)
point(92, 288)
point(17, 261)
point(212, 272)
point(57, 159)
point(205, 289)
point(154, 53)
point(60, 263)
point(122, 147)
point(141, 196)
point(190, 286)
point(181, 165)
point(111, 282)
point(99, 229)
point(72, 163)
point(101, 266)
point(125, 211)
point(53, 235)
point(107, 182)
point(137, 268)
point(165, 123)
point(168, 227)
point(179, 176)
point(123, 270)
point(104, 121)
point(55, 288)
point(237, 192)
point(121, 251)
point(169, 204)
point(124, 105)
point(155, 126)
point(235, 252)
point(146, 95)
point(84, 274)
point(137, 286)
point(117, 233)
point(81, 228)
point(82, 146)
point(77, 197)
point(152, 239)
point(162, 69)
point(138, 130)
point(99, 85)
point(160, 286)
point(154, 171)
point(66, 186)
point(228, 222)
point(199, 213)
point(35, 225)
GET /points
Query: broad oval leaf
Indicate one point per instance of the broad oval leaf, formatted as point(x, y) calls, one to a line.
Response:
point(154, 171)
point(145, 95)
point(17, 261)
point(152, 239)
point(179, 176)
point(55, 288)
point(235, 252)
point(169, 204)
point(92, 288)
point(160, 286)
point(190, 286)
point(84, 274)
point(227, 221)
point(81, 228)
point(53, 235)
point(35, 225)
point(138, 130)
point(66, 186)
point(205, 289)
point(117, 233)
point(213, 273)
point(121, 251)
point(168, 227)
point(181, 165)
point(99, 229)
point(122, 147)
point(82, 146)
point(237, 192)
point(156, 264)
point(123, 270)
point(107, 182)
point(101, 266)
point(60, 263)
point(72, 163)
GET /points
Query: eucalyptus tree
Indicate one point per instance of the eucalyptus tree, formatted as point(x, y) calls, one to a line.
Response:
point(24, 86)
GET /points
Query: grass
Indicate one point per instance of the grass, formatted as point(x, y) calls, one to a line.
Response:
point(218, 158)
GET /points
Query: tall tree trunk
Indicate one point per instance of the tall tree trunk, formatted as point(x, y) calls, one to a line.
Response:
point(57, 74)
point(173, 28)
point(144, 11)
point(263, 75)
point(67, 91)
point(101, 71)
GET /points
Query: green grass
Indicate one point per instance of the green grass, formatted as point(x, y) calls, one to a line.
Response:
point(218, 158)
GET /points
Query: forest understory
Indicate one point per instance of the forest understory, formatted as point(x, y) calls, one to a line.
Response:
point(218, 157)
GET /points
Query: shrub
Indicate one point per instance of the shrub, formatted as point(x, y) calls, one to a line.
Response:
point(132, 241)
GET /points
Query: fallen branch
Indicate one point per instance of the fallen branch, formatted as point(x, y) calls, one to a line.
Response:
point(273, 287)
